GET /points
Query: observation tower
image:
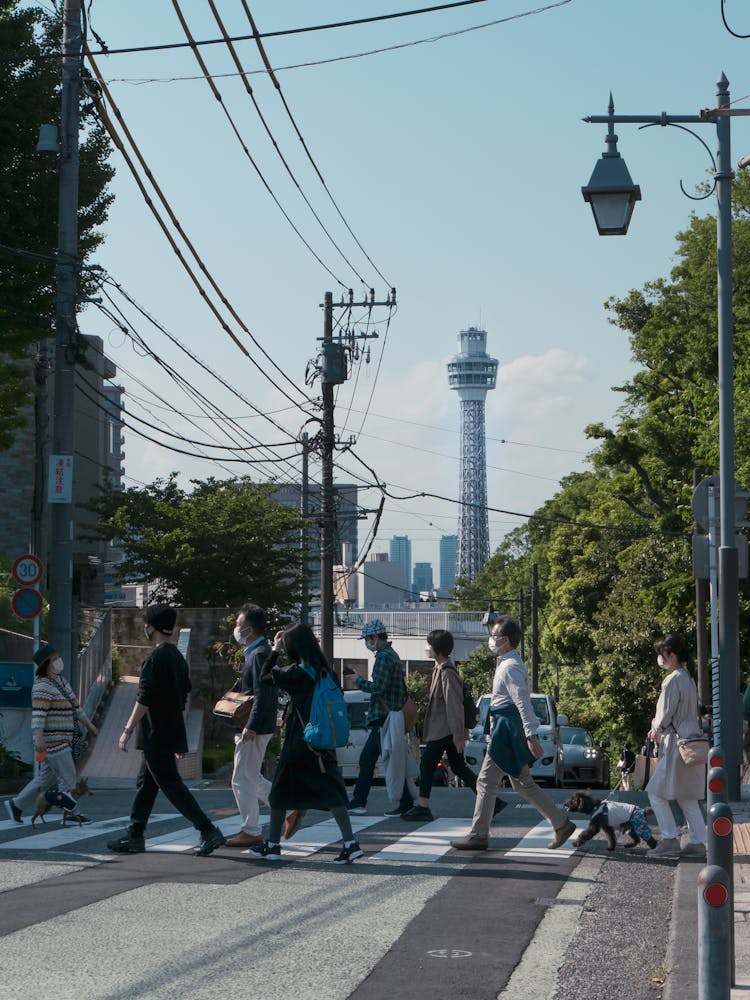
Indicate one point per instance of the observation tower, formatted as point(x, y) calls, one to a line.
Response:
point(472, 373)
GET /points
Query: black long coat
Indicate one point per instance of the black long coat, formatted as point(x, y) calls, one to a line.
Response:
point(304, 779)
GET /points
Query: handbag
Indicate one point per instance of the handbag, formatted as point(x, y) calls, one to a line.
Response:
point(234, 708)
point(693, 750)
point(79, 744)
point(644, 765)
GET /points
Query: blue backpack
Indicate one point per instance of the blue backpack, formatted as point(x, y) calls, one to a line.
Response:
point(328, 727)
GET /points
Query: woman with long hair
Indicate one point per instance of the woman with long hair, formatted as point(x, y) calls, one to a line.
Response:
point(677, 717)
point(305, 778)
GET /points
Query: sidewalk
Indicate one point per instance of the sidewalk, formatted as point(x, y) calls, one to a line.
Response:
point(682, 956)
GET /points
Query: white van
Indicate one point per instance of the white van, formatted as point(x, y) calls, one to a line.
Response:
point(546, 770)
point(357, 704)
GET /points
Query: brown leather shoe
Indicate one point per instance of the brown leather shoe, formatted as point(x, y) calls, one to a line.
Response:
point(243, 839)
point(470, 843)
point(292, 823)
point(562, 835)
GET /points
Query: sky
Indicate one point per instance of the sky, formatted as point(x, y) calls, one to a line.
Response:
point(458, 164)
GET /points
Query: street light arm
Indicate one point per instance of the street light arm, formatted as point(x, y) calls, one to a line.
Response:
point(693, 197)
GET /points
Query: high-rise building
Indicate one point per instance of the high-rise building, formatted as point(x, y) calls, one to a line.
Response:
point(472, 373)
point(448, 552)
point(401, 553)
point(422, 578)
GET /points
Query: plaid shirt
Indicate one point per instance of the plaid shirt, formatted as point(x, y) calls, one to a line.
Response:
point(387, 683)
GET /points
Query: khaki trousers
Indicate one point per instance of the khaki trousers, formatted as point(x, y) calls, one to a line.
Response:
point(488, 779)
point(248, 784)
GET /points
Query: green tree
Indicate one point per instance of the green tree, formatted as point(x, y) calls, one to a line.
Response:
point(29, 97)
point(219, 545)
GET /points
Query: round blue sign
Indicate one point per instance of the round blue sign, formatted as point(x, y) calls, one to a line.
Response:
point(27, 603)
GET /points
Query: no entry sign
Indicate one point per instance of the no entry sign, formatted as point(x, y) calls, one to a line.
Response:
point(27, 603)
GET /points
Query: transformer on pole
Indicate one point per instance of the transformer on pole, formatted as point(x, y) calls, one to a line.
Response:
point(472, 373)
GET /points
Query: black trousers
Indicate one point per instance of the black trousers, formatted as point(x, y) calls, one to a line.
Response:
point(159, 771)
point(432, 753)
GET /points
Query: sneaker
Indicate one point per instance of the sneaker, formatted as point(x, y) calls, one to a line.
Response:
point(500, 804)
point(13, 811)
point(470, 843)
point(693, 850)
point(74, 817)
point(209, 841)
point(669, 847)
point(348, 854)
point(358, 810)
point(398, 811)
point(127, 844)
point(562, 835)
point(418, 814)
point(271, 852)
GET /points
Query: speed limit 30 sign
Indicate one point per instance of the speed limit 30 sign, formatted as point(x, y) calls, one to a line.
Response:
point(27, 570)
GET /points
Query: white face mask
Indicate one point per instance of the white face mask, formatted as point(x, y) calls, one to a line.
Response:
point(238, 636)
point(662, 662)
point(57, 666)
point(371, 645)
point(492, 643)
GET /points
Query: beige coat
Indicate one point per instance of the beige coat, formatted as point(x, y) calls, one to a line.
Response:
point(677, 717)
point(445, 707)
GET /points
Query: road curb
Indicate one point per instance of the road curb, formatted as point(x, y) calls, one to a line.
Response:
point(682, 944)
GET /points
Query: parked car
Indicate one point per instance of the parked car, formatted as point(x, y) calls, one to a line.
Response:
point(357, 704)
point(546, 770)
point(582, 761)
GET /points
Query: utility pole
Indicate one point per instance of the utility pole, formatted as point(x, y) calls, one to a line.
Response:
point(534, 627)
point(522, 623)
point(333, 372)
point(304, 611)
point(63, 634)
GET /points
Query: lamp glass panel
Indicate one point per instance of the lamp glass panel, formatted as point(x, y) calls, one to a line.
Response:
point(612, 210)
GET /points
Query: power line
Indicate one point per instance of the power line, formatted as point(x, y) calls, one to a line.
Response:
point(294, 31)
point(108, 124)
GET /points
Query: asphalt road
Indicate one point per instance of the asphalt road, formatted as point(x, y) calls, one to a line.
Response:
point(412, 918)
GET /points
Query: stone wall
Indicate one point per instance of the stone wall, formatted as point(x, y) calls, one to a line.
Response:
point(207, 625)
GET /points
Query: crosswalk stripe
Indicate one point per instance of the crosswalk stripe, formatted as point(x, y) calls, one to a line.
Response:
point(314, 838)
point(186, 837)
point(64, 836)
point(534, 843)
point(427, 843)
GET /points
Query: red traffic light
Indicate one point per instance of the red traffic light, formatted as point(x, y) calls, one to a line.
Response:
point(715, 894)
point(722, 826)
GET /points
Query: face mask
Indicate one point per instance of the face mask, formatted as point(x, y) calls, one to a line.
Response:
point(371, 645)
point(57, 666)
point(238, 636)
point(148, 634)
point(662, 663)
point(492, 643)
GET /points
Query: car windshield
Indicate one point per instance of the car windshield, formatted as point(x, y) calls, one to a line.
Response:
point(573, 736)
point(357, 711)
point(541, 710)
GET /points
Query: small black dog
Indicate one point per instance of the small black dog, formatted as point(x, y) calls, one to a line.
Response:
point(607, 814)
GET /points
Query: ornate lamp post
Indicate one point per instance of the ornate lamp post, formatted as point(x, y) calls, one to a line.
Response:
point(612, 196)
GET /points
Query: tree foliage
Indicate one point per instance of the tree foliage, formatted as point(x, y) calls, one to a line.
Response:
point(219, 545)
point(613, 544)
point(30, 97)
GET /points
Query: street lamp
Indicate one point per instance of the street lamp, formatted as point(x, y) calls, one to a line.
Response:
point(611, 191)
point(612, 196)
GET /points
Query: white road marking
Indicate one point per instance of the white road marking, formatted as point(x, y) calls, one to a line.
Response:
point(64, 836)
point(427, 843)
point(534, 843)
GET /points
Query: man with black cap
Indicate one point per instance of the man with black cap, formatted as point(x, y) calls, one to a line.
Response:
point(159, 714)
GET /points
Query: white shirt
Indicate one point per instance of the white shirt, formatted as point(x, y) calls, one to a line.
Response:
point(510, 686)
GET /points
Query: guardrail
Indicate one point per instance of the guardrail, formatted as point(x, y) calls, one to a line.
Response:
point(404, 623)
point(95, 666)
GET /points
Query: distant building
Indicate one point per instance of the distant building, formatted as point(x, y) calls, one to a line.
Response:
point(401, 553)
point(98, 456)
point(448, 552)
point(380, 583)
point(422, 580)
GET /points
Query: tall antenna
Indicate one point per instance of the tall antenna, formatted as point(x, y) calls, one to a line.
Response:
point(472, 373)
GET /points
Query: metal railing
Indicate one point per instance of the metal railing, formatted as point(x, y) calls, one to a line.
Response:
point(403, 623)
point(95, 666)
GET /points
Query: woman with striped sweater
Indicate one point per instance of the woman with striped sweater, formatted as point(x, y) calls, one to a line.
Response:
point(54, 709)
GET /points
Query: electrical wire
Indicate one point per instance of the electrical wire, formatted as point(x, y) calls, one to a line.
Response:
point(108, 124)
point(251, 95)
point(277, 85)
point(391, 311)
point(297, 31)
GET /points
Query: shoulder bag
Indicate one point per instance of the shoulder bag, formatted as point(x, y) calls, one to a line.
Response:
point(79, 743)
point(234, 708)
point(693, 750)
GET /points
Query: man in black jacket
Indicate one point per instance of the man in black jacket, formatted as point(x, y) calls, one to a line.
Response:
point(159, 714)
point(248, 784)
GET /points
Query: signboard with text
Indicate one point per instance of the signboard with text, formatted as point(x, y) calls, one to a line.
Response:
point(60, 482)
point(27, 570)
